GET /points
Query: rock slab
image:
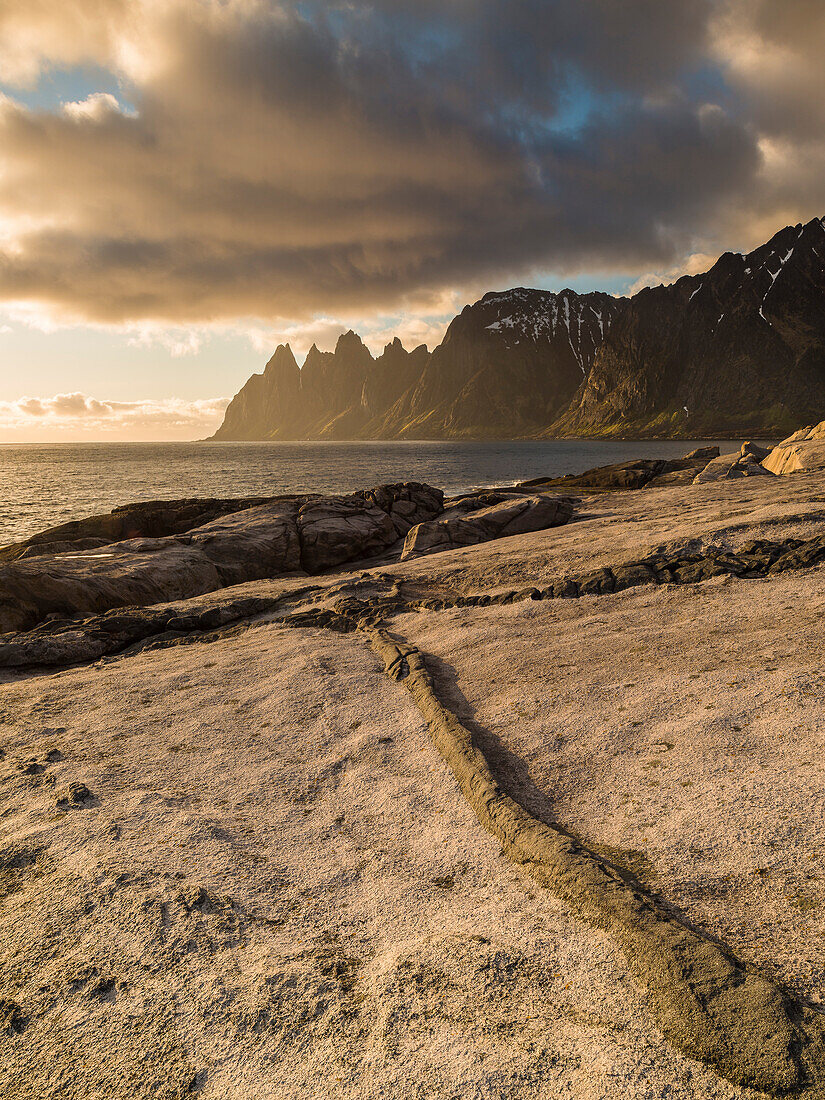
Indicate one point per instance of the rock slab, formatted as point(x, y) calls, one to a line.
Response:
point(510, 517)
point(283, 536)
point(804, 450)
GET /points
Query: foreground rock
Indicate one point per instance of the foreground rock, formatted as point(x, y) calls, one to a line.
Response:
point(331, 910)
point(633, 474)
point(286, 535)
point(146, 519)
point(509, 517)
point(746, 462)
point(804, 450)
point(334, 530)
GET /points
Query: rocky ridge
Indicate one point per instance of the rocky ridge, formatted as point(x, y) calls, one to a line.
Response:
point(738, 350)
point(507, 366)
point(289, 534)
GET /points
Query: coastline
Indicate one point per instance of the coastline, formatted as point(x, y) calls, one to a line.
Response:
point(62, 482)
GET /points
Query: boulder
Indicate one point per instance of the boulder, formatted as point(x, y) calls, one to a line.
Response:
point(675, 477)
point(702, 455)
point(510, 517)
point(284, 535)
point(717, 469)
point(252, 544)
point(336, 529)
point(802, 451)
point(406, 503)
point(146, 519)
point(740, 464)
point(333, 530)
point(754, 451)
point(748, 466)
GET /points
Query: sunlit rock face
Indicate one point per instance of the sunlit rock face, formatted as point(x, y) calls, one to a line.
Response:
point(507, 366)
point(339, 394)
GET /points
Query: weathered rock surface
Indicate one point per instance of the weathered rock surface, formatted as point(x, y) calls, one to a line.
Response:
point(742, 463)
point(510, 517)
point(140, 571)
point(146, 519)
point(60, 642)
point(253, 544)
point(287, 534)
point(333, 530)
point(804, 450)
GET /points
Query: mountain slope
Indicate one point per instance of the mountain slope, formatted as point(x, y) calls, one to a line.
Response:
point(738, 349)
point(335, 395)
point(506, 367)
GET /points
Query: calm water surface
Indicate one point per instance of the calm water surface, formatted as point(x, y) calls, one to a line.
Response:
point(47, 484)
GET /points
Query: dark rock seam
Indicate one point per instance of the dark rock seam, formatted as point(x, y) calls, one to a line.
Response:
point(61, 642)
point(707, 1003)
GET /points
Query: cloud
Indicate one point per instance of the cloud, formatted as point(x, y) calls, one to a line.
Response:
point(95, 108)
point(287, 161)
point(695, 264)
point(77, 415)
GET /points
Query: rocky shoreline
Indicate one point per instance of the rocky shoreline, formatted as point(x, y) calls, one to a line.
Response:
point(232, 865)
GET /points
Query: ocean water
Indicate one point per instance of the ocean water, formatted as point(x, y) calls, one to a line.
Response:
point(47, 484)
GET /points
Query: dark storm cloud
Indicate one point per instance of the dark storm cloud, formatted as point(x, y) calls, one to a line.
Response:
point(285, 158)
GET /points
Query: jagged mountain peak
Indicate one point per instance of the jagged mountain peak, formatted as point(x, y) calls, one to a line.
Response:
point(394, 347)
point(737, 349)
point(282, 357)
point(347, 340)
point(571, 321)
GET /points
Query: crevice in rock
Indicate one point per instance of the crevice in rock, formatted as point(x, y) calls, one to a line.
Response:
point(63, 642)
point(707, 1003)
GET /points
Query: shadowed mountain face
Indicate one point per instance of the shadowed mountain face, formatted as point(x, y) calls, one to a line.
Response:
point(507, 366)
point(740, 349)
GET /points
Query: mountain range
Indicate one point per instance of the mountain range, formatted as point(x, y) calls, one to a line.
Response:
point(737, 350)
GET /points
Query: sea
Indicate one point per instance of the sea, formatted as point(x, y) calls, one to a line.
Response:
point(47, 484)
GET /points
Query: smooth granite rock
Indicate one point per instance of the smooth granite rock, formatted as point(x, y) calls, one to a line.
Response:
point(253, 544)
point(511, 517)
point(287, 534)
point(804, 450)
point(136, 572)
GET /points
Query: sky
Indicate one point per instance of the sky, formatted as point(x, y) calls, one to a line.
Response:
point(185, 184)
